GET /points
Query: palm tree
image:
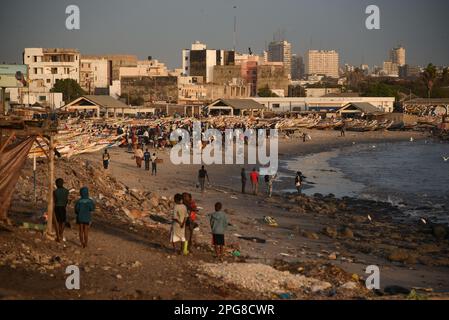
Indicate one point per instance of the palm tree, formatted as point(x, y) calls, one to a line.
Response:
point(429, 75)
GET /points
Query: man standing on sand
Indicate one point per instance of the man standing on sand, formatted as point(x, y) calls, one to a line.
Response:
point(106, 159)
point(178, 233)
point(139, 157)
point(243, 176)
point(202, 175)
point(61, 196)
point(147, 159)
point(154, 164)
point(254, 176)
point(218, 224)
point(342, 132)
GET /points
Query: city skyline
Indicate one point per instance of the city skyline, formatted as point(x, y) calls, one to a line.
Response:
point(162, 30)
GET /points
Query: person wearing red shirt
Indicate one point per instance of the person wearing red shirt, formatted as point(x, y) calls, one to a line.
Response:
point(254, 176)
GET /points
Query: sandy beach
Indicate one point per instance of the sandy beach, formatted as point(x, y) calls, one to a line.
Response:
point(313, 235)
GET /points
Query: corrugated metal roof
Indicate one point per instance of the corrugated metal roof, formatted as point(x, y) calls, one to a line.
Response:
point(240, 104)
point(106, 101)
point(365, 107)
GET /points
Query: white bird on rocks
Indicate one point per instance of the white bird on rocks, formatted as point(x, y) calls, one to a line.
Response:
point(446, 159)
point(423, 221)
point(370, 219)
point(411, 139)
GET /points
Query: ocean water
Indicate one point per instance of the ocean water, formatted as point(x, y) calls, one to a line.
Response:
point(410, 175)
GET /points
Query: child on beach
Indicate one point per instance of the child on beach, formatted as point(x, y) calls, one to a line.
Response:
point(83, 210)
point(178, 232)
point(218, 224)
point(61, 196)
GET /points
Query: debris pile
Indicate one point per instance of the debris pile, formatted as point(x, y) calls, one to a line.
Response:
point(263, 279)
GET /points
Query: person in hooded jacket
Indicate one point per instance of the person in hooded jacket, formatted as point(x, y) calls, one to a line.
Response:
point(83, 210)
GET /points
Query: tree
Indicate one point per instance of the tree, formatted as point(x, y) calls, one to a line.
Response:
point(428, 76)
point(266, 92)
point(69, 88)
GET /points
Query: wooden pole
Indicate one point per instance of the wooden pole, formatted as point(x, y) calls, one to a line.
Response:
point(50, 204)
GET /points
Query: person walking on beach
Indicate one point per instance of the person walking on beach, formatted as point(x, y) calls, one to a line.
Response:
point(154, 164)
point(106, 159)
point(243, 177)
point(147, 159)
point(83, 210)
point(254, 177)
point(218, 224)
point(343, 130)
point(192, 211)
point(202, 175)
point(139, 157)
point(269, 179)
point(61, 197)
point(178, 233)
point(298, 181)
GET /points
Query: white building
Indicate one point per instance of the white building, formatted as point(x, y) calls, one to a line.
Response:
point(94, 74)
point(390, 69)
point(48, 65)
point(35, 96)
point(145, 68)
point(323, 62)
point(200, 61)
point(277, 104)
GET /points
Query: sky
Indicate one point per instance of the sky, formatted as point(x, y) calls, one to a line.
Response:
point(162, 28)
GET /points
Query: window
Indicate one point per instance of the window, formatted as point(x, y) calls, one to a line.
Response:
point(186, 58)
point(35, 70)
point(54, 70)
point(48, 80)
point(35, 58)
point(42, 98)
point(276, 106)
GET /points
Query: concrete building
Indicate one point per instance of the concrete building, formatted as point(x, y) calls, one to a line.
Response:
point(409, 72)
point(321, 92)
point(145, 68)
point(390, 69)
point(297, 67)
point(397, 56)
point(281, 51)
point(32, 96)
point(320, 62)
point(149, 89)
point(95, 75)
point(117, 61)
point(46, 65)
point(278, 105)
point(200, 61)
point(274, 76)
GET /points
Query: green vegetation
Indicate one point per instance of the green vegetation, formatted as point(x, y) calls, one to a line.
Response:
point(266, 92)
point(69, 88)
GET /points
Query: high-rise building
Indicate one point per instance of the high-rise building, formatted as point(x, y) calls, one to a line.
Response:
point(321, 62)
point(48, 65)
point(397, 56)
point(281, 51)
point(200, 61)
point(297, 67)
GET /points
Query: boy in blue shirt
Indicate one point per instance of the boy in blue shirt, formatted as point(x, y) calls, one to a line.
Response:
point(83, 210)
point(218, 224)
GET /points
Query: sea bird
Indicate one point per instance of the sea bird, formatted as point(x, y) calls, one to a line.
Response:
point(446, 159)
